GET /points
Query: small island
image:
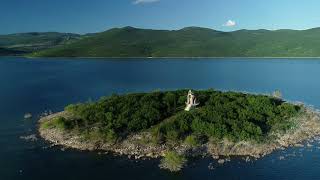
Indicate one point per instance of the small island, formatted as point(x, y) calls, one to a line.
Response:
point(177, 125)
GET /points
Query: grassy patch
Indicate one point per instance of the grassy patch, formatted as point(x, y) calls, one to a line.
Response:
point(100, 135)
point(191, 141)
point(59, 123)
point(173, 161)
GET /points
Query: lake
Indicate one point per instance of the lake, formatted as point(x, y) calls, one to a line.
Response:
point(36, 85)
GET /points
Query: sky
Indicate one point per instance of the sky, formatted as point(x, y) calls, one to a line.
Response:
point(89, 16)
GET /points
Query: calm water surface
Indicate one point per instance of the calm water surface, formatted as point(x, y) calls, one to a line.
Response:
point(36, 85)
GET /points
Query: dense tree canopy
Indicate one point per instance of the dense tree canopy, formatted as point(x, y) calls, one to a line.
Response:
point(236, 116)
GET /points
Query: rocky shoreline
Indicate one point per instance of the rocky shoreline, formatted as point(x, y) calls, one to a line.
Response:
point(308, 127)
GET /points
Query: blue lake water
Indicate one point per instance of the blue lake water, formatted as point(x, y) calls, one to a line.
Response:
point(36, 85)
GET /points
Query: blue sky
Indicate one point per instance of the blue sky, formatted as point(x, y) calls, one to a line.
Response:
point(84, 16)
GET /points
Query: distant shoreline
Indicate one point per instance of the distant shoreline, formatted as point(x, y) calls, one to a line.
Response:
point(190, 42)
point(27, 57)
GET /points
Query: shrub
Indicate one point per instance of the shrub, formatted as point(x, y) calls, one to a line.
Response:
point(110, 136)
point(59, 123)
point(172, 136)
point(46, 125)
point(156, 136)
point(191, 141)
point(277, 94)
point(173, 161)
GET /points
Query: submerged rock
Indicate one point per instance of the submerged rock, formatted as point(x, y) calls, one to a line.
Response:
point(309, 145)
point(221, 161)
point(247, 159)
point(299, 145)
point(211, 167)
point(27, 116)
point(281, 158)
point(31, 137)
point(215, 157)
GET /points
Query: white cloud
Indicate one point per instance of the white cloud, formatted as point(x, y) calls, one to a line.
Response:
point(230, 23)
point(144, 1)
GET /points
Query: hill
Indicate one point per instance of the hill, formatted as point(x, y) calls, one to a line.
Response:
point(23, 43)
point(191, 42)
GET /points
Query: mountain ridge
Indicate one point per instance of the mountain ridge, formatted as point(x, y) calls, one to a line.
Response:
point(33, 41)
point(187, 42)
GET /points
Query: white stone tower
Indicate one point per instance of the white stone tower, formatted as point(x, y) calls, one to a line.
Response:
point(191, 101)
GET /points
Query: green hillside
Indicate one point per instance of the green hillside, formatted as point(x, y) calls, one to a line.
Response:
point(191, 42)
point(30, 42)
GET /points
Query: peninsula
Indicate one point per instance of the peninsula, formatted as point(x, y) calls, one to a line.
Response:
point(180, 124)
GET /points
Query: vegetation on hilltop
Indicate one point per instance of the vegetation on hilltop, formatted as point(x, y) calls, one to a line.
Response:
point(186, 42)
point(231, 115)
point(191, 42)
point(23, 43)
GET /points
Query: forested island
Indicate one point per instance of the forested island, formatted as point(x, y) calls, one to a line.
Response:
point(156, 124)
point(186, 42)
